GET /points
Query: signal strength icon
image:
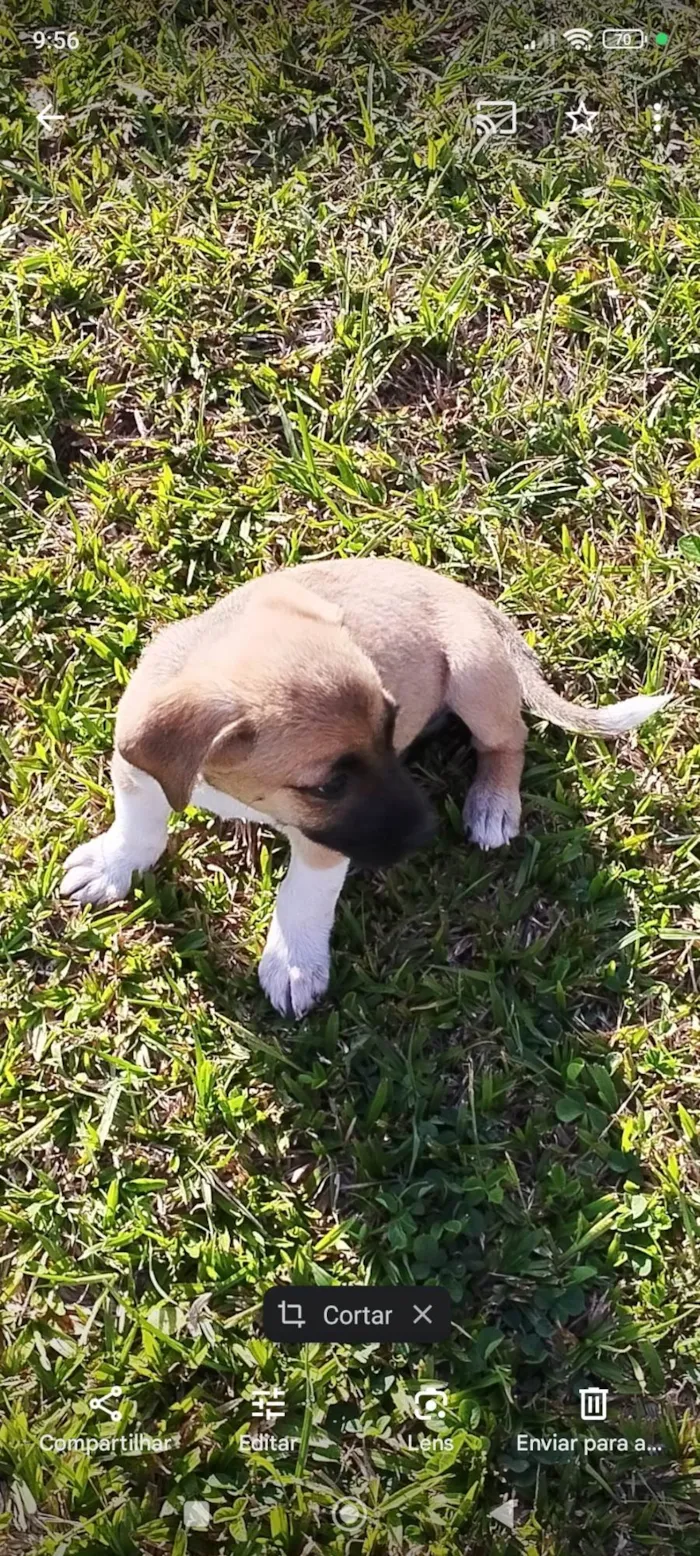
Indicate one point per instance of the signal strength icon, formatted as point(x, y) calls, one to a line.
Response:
point(546, 40)
point(578, 37)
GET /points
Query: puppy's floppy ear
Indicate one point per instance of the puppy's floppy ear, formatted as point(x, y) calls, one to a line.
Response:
point(284, 593)
point(170, 732)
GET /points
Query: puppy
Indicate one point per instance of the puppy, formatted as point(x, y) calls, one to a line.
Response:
point(289, 702)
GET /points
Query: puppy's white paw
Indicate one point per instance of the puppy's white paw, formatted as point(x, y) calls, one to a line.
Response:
point(98, 871)
point(293, 977)
point(491, 816)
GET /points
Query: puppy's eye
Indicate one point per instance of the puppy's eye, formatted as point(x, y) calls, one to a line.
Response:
point(330, 790)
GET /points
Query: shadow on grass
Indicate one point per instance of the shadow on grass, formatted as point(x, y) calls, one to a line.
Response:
point(449, 1114)
point(458, 1077)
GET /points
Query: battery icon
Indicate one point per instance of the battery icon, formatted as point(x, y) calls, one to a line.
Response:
point(624, 38)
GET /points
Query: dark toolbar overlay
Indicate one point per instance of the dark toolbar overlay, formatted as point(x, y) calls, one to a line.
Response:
point(352, 1315)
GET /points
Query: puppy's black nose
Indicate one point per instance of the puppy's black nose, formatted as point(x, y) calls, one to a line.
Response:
point(423, 832)
point(391, 819)
point(394, 831)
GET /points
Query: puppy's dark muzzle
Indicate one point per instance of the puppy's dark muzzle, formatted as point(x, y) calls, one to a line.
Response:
point(393, 819)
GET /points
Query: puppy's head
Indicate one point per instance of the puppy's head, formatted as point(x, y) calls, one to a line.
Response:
point(287, 715)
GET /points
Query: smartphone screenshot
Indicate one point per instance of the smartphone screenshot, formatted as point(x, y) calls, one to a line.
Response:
point(350, 782)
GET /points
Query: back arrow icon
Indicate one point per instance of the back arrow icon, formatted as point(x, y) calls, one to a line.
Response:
point(46, 117)
point(505, 1514)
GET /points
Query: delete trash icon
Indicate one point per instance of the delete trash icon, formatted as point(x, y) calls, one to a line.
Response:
point(594, 1404)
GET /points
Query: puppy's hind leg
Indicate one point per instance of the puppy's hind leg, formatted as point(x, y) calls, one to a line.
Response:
point(295, 965)
point(101, 870)
point(485, 693)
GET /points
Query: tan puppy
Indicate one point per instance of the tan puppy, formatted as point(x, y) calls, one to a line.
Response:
point(288, 701)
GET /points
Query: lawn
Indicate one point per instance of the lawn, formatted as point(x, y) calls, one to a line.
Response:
point(262, 300)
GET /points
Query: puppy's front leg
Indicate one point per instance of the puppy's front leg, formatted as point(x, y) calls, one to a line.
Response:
point(295, 965)
point(101, 870)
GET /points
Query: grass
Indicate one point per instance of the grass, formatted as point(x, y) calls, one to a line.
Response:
point(262, 301)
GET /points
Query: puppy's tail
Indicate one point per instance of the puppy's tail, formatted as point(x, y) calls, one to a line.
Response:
point(608, 721)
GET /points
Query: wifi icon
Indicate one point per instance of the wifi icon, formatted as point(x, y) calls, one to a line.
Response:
point(578, 37)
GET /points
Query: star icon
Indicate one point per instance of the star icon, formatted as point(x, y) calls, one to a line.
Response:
point(581, 118)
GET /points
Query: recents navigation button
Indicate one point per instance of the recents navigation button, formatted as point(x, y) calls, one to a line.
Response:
point(352, 1315)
